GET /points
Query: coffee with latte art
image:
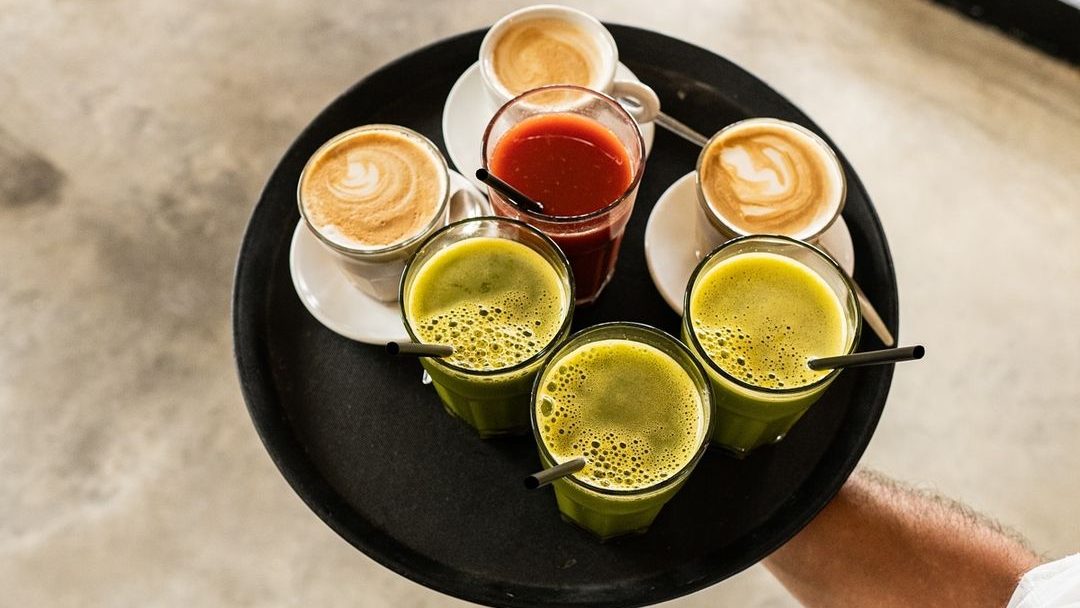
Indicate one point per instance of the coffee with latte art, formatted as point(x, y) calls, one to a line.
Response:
point(767, 176)
point(373, 187)
point(545, 51)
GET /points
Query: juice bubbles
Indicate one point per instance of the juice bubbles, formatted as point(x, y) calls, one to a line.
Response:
point(633, 402)
point(757, 310)
point(580, 155)
point(501, 294)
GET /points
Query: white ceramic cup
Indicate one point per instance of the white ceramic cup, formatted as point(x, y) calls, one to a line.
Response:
point(713, 230)
point(644, 104)
point(377, 271)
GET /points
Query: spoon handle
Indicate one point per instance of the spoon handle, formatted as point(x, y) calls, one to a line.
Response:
point(872, 318)
point(681, 130)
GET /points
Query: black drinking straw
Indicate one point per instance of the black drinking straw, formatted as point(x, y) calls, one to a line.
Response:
point(873, 357)
point(556, 472)
point(417, 349)
point(509, 192)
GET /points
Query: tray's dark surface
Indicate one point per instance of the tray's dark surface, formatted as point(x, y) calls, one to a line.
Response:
point(371, 451)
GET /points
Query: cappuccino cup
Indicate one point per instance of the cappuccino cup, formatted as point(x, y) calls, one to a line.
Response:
point(371, 195)
point(548, 45)
point(766, 176)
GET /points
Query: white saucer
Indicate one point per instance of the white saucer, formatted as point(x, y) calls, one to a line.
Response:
point(466, 115)
point(670, 241)
point(344, 309)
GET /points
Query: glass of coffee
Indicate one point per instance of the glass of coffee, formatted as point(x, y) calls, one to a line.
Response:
point(632, 401)
point(766, 176)
point(548, 44)
point(371, 195)
point(502, 294)
point(579, 154)
point(757, 310)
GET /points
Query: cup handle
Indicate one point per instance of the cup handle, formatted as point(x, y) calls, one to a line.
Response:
point(643, 104)
point(465, 200)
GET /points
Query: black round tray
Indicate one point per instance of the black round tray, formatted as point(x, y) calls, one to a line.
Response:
point(373, 454)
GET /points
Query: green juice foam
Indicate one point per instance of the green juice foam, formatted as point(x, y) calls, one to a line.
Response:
point(631, 410)
point(496, 301)
point(762, 316)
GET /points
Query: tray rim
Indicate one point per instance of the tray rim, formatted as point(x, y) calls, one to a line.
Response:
point(256, 388)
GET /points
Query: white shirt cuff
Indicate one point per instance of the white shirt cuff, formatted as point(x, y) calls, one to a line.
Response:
point(1052, 585)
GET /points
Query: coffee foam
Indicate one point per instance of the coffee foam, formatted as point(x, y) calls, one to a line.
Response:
point(545, 51)
point(764, 177)
point(373, 189)
point(630, 409)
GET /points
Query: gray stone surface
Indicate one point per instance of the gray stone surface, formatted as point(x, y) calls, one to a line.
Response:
point(135, 136)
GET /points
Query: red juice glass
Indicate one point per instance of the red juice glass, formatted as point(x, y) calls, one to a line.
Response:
point(580, 154)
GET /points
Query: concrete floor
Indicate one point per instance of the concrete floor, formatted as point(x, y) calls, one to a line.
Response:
point(135, 136)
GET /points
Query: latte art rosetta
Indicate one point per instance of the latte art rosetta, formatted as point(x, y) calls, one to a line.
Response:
point(376, 176)
point(542, 52)
point(374, 189)
point(361, 181)
point(768, 178)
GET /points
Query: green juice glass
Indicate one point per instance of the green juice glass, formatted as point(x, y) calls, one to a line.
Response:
point(504, 294)
point(636, 404)
point(749, 415)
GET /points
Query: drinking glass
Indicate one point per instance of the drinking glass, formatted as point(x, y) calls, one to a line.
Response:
point(748, 416)
point(590, 240)
point(494, 402)
point(604, 511)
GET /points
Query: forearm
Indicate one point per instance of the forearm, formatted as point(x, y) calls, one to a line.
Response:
point(881, 544)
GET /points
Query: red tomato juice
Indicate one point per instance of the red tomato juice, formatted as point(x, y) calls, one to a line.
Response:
point(573, 166)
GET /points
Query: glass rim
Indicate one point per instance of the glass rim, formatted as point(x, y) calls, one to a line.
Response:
point(639, 168)
point(708, 406)
point(440, 211)
point(692, 333)
point(568, 315)
point(728, 228)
